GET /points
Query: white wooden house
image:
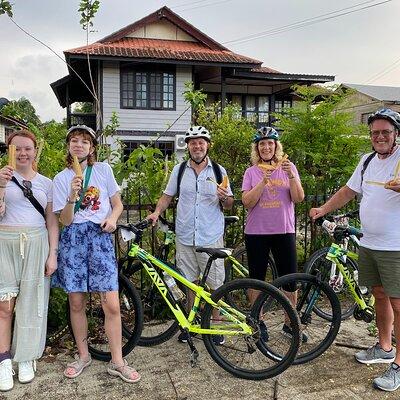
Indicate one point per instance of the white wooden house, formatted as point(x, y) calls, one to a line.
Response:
point(140, 71)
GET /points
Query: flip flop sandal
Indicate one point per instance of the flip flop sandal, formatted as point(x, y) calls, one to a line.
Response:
point(79, 365)
point(125, 372)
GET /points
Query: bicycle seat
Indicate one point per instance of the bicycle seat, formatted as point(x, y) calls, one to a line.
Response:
point(231, 219)
point(215, 253)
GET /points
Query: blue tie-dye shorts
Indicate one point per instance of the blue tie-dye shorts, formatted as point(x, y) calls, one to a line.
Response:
point(86, 260)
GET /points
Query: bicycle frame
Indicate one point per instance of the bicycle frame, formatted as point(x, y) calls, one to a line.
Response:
point(337, 256)
point(240, 269)
point(238, 324)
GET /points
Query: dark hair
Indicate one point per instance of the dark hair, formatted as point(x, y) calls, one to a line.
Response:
point(91, 159)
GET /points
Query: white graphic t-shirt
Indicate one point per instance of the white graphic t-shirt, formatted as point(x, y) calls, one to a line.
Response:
point(95, 205)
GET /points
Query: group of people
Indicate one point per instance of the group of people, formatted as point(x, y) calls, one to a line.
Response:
point(79, 260)
point(83, 259)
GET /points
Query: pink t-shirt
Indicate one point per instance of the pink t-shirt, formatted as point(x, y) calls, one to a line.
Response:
point(274, 211)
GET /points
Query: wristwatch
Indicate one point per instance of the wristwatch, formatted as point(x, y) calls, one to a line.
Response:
point(69, 201)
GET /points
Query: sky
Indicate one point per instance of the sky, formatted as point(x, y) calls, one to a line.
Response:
point(360, 47)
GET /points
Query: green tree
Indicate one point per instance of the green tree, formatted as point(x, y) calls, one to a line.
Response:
point(23, 110)
point(6, 8)
point(84, 108)
point(323, 143)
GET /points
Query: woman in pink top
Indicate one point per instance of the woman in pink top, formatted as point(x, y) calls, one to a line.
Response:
point(270, 188)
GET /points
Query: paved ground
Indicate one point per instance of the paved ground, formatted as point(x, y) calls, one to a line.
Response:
point(166, 374)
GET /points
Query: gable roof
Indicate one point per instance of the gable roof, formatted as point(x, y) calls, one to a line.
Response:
point(175, 19)
point(382, 93)
point(204, 49)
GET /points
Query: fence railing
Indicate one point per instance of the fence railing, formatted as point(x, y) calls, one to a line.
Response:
point(308, 238)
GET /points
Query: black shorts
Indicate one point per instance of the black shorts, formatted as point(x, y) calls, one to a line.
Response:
point(283, 248)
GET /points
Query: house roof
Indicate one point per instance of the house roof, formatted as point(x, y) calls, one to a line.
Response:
point(202, 49)
point(175, 19)
point(382, 93)
point(160, 49)
point(11, 121)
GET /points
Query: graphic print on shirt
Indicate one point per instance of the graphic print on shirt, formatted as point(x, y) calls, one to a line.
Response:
point(269, 196)
point(90, 202)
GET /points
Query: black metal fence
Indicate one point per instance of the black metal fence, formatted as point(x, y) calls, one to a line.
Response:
point(308, 237)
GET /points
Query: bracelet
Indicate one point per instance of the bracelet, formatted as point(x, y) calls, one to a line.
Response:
point(292, 177)
point(69, 201)
point(3, 187)
point(224, 199)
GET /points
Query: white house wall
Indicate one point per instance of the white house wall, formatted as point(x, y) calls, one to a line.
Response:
point(2, 133)
point(164, 30)
point(144, 120)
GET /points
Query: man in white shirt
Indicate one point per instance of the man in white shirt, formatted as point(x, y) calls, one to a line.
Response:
point(377, 179)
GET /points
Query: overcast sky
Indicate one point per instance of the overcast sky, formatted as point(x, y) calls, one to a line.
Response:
point(361, 47)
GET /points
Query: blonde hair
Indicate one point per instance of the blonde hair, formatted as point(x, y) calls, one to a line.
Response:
point(255, 155)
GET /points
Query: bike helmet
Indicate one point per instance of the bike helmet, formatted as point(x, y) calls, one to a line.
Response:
point(196, 132)
point(85, 128)
point(266, 132)
point(386, 113)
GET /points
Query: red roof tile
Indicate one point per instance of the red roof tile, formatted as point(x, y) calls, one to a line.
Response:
point(163, 50)
point(265, 70)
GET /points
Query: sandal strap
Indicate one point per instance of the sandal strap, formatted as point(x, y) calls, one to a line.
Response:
point(79, 363)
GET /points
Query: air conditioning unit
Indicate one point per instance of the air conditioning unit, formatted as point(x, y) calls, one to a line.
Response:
point(180, 142)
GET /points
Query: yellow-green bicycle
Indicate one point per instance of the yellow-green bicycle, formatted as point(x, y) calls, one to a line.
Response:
point(254, 347)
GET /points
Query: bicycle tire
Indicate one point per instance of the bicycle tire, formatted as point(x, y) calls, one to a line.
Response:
point(320, 332)
point(244, 356)
point(318, 264)
point(159, 323)
point(131, 318)
point(240, 254)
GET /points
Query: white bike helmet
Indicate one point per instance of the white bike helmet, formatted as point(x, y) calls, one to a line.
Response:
point(84, 128)
point(196, 132)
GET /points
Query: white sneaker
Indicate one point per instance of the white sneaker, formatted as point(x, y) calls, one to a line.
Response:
point(26, 371)
point(6, 375)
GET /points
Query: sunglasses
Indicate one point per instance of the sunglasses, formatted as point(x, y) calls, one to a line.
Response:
point(27, 190)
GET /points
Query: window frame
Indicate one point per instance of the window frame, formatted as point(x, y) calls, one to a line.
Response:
point(147, 70)
point(164, 144)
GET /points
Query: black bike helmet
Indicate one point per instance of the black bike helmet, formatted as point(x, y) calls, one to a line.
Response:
point(386, 113)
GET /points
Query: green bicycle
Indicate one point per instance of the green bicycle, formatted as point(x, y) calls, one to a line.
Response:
point(254, 346)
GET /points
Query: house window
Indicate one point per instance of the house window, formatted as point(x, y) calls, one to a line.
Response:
point(147, 89)
point(263, 109)
point(364, 117)
point(167, 148)
point(281, 104)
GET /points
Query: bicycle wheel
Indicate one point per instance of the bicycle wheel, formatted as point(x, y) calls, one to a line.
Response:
point(159, 323)
point(252, 356)
point(318, 265)
point(131, 318)
point(241, 255)
point(313, 294)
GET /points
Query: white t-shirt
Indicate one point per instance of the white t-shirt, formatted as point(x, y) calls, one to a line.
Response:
point(379, 207)
point(19, 210)
point(96, 204)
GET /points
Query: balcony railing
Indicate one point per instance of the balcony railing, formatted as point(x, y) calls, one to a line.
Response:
point(83, 119)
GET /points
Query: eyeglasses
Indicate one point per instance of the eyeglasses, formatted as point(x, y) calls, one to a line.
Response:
point(27, 190)
point(384, 133)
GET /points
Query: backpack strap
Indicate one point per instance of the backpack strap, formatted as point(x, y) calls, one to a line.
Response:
point(181, 171)
point(31, 198)
point(365, 165)
point(217, 171)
